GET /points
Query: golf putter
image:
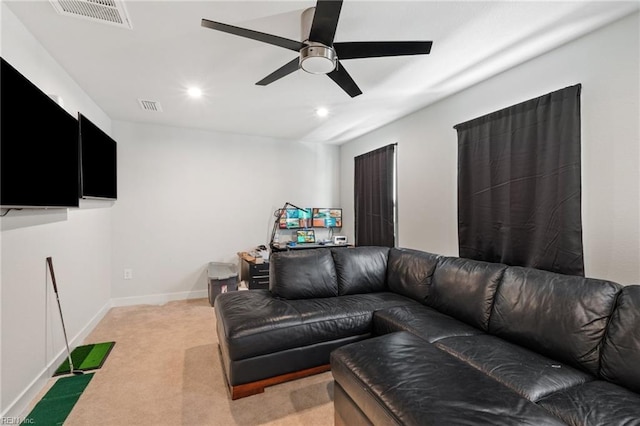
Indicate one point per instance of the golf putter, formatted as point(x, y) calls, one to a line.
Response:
point(64, 330)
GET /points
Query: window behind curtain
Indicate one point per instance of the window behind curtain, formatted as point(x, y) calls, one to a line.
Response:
point(374, 197)
point(519, 191)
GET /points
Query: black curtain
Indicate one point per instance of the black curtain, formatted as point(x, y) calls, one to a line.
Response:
point(519, 191)
point(373, 189)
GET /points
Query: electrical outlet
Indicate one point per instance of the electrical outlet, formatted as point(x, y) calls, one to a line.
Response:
point(128, 273)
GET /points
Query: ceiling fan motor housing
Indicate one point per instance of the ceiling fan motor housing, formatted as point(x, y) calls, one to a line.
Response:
point(315, 58)
point(318, 59)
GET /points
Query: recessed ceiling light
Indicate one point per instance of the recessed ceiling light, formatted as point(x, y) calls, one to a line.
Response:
point(194, 92)
point(322, 112)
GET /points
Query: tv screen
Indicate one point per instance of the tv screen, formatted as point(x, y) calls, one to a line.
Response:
point(295, 219)
point(327, 218)
point(305, 236)
point(98, 163)
point(38, 146)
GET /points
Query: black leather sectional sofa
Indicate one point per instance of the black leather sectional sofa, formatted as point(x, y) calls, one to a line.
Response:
point(415, 338)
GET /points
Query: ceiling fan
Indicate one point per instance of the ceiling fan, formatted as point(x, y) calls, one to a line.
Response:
point(318, 54)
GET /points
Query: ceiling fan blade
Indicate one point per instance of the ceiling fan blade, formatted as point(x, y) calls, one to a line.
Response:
point(344, 80)
point(284, 70)
point(376, 49)
point(254, 35)
point(325, 21)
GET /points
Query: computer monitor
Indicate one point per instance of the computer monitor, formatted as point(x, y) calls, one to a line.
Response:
point(306, 236)
point(327, 217)
point(294, 218)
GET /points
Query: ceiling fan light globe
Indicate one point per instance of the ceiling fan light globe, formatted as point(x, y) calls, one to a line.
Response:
point(318, 59)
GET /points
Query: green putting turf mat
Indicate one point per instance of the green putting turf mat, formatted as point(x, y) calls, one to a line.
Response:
point(57, 403)
point(86, 357)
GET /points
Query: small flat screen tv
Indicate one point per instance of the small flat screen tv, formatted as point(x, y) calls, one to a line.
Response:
point(98, 162)
point(295, 219)
point(327, 217)
point(38, 146)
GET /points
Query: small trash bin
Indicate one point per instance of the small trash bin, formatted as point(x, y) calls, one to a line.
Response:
point(223, 277)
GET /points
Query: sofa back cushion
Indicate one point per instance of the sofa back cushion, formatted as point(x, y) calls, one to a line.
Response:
point(409, 272)
point(303, 274)
point(464, 289)
point(563, 317)
point(620, 362)
point(361, 269)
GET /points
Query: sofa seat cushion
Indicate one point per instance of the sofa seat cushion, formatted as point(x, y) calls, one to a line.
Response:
point(399, 378)
point(252, 323)
point(422, 321)
point(531, 375)
point(596, 403)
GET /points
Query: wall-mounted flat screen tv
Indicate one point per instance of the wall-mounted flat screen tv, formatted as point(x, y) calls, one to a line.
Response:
point(98, 162)
point(295, 219)
point(327, 218)
point(38, 146)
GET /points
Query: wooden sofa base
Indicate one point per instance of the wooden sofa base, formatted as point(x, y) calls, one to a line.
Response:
point(254, 388)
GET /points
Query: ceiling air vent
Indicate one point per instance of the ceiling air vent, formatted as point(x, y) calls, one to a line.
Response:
point(150, 105)
point(111, 12)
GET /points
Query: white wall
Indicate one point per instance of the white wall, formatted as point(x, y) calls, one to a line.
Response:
point(189, 197)
point(80, 245)
point(186, 197)
point(606, 63)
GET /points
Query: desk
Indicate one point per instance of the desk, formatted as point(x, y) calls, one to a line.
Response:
point(305, 246)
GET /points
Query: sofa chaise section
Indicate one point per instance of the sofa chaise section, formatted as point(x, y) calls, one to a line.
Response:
point(312, 307)
point(397, 379)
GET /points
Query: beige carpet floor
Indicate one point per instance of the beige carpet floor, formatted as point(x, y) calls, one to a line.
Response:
point(165, 369)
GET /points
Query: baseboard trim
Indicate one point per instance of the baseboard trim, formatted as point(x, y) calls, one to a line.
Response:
point(19, 407)
point(158, 299)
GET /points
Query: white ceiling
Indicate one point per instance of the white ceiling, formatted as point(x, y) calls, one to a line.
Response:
point(167, 51)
